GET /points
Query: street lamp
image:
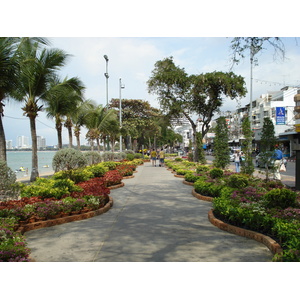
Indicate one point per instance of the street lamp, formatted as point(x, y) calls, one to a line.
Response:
point(106, 76)
point(120, 111)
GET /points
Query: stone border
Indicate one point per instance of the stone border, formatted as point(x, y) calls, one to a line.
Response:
point(128, 177)
point(273, 246)
point(187, 182)
point(116, 186)
point(179, 176)
point(52, 222)
point(201, 197)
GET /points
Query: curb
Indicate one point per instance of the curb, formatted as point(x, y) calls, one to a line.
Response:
point(273, 246)
point(67, 219)
point(200, 197)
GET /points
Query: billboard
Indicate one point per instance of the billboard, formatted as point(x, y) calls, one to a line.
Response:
point(280, 115)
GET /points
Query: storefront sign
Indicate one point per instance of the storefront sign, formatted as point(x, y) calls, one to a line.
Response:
point(280, 115)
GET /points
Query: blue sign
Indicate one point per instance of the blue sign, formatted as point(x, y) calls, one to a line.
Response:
point(280, 115)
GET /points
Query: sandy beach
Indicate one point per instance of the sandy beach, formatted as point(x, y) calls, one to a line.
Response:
point(42, 174)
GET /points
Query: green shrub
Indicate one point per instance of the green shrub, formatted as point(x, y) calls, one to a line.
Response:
point(108, 156)
point(68, 159)
point(237, 181)
point(98, 170)
point(281, 198)
point(111, 165)
point(8, 187)
point(216, 173)
point(178, 159)
point(208, 188)
point(130, 156)
point(92, 157)
point(49, 188)
point(138, 155)
point(76, 175)
point(190, 176)
point(181, 171)
point(202, 168)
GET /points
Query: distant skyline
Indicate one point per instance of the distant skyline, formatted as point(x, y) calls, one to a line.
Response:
point(133, 59)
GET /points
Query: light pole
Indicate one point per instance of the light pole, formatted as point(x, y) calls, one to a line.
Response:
point(106, 76)
point(120, 112)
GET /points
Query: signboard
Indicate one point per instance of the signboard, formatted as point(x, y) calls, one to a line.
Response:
point(280, 115)
point(297, 127)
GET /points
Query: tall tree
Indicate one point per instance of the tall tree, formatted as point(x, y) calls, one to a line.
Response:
point(61, 100)
point(182, 95)
point(247, 166)
point(267, 143)
point(37, 66)
point(8, 81)
point(221, 148)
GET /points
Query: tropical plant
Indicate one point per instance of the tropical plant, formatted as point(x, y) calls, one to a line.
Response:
point(37, 67)
point(68, 159)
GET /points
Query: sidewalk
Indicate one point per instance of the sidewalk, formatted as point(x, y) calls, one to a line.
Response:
point(154, 219)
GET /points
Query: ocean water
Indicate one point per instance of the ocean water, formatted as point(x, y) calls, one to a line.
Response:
point(19, 159)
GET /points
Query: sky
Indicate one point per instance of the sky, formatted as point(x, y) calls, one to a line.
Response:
point(132, 53)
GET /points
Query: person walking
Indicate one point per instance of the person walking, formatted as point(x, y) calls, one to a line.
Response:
point(278, 156)
point(162, 157)
point(237, 161)
point(153, 156)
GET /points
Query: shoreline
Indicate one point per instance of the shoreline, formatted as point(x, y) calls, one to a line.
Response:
point(42, 174)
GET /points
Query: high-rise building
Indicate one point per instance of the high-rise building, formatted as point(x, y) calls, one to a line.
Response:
point(41, 142)
point(22, 142)
point(9, 144)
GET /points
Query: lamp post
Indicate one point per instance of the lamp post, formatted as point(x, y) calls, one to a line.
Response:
point(120, 111)
point(106, 76)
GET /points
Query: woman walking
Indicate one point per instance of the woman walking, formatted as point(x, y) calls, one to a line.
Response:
point(237, 161)
point(153, 156)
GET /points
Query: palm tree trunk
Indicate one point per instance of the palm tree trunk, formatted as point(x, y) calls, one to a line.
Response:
point(59, 137)
point(2, 138)
point(34, 164)
point(77, 135)
point(70, 137)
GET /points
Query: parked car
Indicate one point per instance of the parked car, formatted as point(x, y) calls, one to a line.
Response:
point(260, 162)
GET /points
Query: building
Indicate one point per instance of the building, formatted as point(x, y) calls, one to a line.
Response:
point(41, 143)
point(23, 142)
point(9, 145)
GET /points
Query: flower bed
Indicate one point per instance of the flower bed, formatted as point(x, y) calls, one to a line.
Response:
point(64, 196)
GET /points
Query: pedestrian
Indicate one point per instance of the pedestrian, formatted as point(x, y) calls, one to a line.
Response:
point(278, 156)
point(237, 161)
point(162, 157)
point(153, 157)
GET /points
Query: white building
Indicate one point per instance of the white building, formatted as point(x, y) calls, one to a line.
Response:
point(23, 142)
point(41, 142)
point(9, 145)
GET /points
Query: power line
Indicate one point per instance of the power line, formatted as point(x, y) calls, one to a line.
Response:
point(27, 119)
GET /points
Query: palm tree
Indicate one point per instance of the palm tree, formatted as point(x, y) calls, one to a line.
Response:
point(8, 75)
point(61, 99)
point(97, 121)
point(37, 67)
point(79, 117)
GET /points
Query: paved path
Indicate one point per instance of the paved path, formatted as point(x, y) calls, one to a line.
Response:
point(154, 219)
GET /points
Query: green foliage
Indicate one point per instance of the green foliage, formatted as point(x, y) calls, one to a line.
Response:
point(92, 157)
point(247, 166)
point(237, 181)
point(111, 165)
point(76, 175)
point(221, 149)
point(216, 173)
point(49, 188)
point(129, 156)
point(181, 171)
point(207, 188)
point(202, 168)
point(178, 159)
point(8, 186)
point(190, 176)
point(68, 159)
point(98, 170)
point(281, 198)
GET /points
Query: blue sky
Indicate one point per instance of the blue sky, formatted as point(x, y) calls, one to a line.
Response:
point(134, 43)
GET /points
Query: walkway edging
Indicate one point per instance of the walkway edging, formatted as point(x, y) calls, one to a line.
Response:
point(67, 219)
point(273, 246)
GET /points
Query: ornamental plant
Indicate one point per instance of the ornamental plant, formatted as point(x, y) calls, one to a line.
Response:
point(216, 173)
point(112, 177)
point(282, 198)
point(68, 159)
point(98, 170)
point(13, 246)
point(76, 175)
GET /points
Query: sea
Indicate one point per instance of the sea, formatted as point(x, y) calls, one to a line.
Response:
point(20, 162)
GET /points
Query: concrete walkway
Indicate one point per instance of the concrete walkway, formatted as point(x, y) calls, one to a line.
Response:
point(154, 219)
